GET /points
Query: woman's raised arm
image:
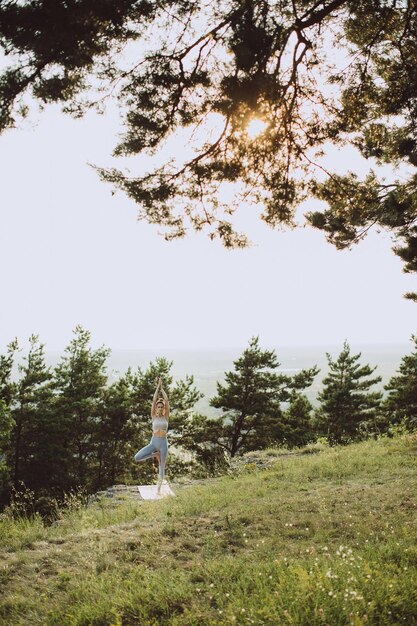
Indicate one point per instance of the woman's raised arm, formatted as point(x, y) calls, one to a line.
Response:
point(165, 397)
point(155, 397)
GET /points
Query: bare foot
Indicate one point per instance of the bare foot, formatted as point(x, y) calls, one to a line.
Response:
point(157, 456)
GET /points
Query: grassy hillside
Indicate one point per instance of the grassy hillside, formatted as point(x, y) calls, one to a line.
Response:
point(326, 538)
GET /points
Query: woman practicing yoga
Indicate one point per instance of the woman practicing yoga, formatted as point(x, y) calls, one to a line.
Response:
point(159, 446)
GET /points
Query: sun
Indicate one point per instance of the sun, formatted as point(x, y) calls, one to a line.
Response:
point(255, 128)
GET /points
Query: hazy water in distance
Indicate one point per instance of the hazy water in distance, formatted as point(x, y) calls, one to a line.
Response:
point(208, 367)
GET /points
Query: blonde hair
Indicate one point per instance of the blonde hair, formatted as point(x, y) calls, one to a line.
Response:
point(160, 401)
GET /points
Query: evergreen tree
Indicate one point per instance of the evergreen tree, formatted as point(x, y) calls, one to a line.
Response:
point(32, 388)
point(7, 398)
point(115, 431)
point(79, 384)
point(251, 400)
point(235, 61)
point(203, 438)
point(401, 402)
point(348, 409)
point(6, 427)
point(298, 428)
point(7, 385)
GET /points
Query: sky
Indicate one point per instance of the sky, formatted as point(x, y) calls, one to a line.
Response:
point(72, 253)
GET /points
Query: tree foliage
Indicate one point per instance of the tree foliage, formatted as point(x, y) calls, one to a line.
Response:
point(339, 71)
point(69, 427)
point(79, 384)
point(348, 410)
point(31, 393)
point(401, 402)
point(6, 427)
point(251, 400)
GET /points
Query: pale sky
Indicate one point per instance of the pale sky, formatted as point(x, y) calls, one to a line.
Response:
point(71, 253)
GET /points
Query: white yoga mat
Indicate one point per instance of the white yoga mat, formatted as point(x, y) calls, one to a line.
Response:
point(149, 492)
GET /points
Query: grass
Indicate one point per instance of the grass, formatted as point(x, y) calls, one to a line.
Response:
point(325, 538)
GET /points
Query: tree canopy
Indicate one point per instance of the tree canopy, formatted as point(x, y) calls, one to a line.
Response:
point(251, 400)
point(348, 410)
point(401, 402)
point(315, 72)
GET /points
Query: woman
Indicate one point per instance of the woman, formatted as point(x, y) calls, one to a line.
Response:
point(159, 446)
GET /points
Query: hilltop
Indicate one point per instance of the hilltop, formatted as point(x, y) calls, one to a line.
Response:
point(303, 539)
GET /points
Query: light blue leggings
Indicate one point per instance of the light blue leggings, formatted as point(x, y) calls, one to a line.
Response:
point(158, 444)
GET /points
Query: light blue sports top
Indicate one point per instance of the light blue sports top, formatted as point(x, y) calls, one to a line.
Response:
point(159, 423)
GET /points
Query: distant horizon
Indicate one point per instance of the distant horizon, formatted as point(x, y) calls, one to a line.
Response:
point(222, 348)
point(226, 348)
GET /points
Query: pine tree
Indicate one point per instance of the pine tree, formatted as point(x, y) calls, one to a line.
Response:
point(115, 431)
point(347, 408)
point(251, 400)
point(7, 385)
point(79, 383)
point(298, 429)
point(203, 437)
point(7, 397)
point(6, 427)
point(31, 391)
point(401, 402)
